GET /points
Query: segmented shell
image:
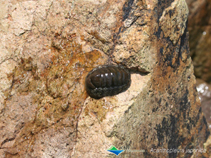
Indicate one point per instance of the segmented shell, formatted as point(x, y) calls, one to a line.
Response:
point(107, 80)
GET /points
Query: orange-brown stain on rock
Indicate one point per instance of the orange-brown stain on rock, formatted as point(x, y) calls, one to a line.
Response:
point(58, 90)
point(99, 108)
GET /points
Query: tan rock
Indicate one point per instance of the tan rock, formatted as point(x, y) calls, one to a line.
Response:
point(45, 109)
point(174, 19)
point(200, 41)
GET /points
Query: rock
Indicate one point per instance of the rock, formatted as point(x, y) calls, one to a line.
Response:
point(207, 146)
point(199, 27)
point(204, 91)
point(45, 110)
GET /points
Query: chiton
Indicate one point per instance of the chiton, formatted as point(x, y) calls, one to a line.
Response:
point(107, 80)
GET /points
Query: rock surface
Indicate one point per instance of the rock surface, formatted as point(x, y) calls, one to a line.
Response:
point(47, 49)
point(199, 26)
point(204, 91)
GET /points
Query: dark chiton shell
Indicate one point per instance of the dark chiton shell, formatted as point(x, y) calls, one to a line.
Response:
point(107, 80)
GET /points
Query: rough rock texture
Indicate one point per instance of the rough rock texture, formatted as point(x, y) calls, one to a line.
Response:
point(46, 51)
point(199, 26)
point(204, 91)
